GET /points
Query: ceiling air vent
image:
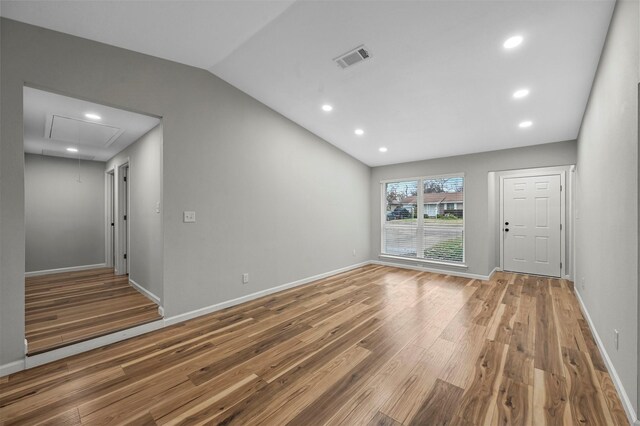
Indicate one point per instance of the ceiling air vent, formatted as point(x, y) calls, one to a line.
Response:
point(352, 57)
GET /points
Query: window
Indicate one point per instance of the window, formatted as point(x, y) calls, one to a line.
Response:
point(424, 219)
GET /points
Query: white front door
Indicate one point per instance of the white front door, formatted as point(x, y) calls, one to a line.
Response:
point(531, 228)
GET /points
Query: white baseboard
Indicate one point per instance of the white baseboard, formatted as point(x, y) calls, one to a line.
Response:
point(54, 355)
point(69, 269)
point(493, 271)
point(87, 345)
point(12, 367)
point(222, 305)
point(435, 270)
point(155, 299)
point(624, 397)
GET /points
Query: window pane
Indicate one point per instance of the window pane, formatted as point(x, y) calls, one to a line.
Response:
point(443, 219)
point(400, 233)
point(400, 240)
point(438, 235)
point(402, 202)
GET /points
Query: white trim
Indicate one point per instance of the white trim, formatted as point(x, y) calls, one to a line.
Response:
point(222, 305)
point(437, 271)
point(109, 209)
point(68, 269)
point(441, 176)
point(12, 367)
point(155, 299)
point(87, 345)
point(624, 397)
point(383, 214)
point(423, 260)
point(420, 214)
point(122, 266)
point(544, 171)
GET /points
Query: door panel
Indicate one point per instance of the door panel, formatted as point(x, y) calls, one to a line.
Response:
point(531, 207)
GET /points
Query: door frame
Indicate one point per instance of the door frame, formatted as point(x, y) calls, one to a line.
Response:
point(123, 227)
point(110, 210)
point(565, 201)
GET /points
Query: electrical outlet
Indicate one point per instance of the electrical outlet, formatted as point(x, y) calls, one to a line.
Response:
point(583, 283)
point(189, 217)
point(354, 252)
point(616, 339)
point(245, 278)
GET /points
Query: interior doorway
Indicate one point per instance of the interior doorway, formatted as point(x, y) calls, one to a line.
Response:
point(532, 215)
point(123, 219)
point(78, 209)
point(111, 218)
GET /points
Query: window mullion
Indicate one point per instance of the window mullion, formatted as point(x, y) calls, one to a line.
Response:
point(420, 220)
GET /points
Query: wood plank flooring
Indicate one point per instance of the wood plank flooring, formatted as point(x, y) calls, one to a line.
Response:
point(66, 308)
point(373, 346)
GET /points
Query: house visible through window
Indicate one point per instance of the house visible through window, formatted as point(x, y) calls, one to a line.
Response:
point(424, 218)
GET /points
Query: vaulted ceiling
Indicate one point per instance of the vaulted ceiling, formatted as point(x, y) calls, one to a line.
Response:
point(438, 82)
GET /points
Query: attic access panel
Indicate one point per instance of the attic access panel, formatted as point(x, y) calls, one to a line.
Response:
point(81, 132)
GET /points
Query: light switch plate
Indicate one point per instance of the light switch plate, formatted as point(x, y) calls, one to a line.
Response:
point(189, 217)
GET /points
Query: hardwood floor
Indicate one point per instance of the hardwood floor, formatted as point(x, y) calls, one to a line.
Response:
point(66, 308)
point(374, 346)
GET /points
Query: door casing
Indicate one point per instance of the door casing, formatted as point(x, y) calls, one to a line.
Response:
point(110, 217)
point(122, 231)
point(561, 171)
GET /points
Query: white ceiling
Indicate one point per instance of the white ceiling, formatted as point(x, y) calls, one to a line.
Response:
point(53, 123)
point(438, 83)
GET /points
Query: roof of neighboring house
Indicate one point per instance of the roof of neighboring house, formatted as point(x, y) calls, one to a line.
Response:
point(434, 198)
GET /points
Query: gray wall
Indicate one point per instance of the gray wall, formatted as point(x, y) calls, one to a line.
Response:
point(145, 193)
point(64, 215)
point(271, 198)
point(480, 226)
point(607, 175)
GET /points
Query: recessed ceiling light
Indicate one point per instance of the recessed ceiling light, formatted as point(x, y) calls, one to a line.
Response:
point(522, 93)
point(525, 124)
point(359, 132)
point(512, 42)
point(327, 108)
point(72, 149)
point(382, 149)
point(93, 116)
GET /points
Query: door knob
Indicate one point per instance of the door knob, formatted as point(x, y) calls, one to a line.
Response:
point(506, 223)
point(506, 229)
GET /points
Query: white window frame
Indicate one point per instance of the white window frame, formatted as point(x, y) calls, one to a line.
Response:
point(420, 231)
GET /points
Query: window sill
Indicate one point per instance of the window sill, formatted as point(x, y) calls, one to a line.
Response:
point(425, 261)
